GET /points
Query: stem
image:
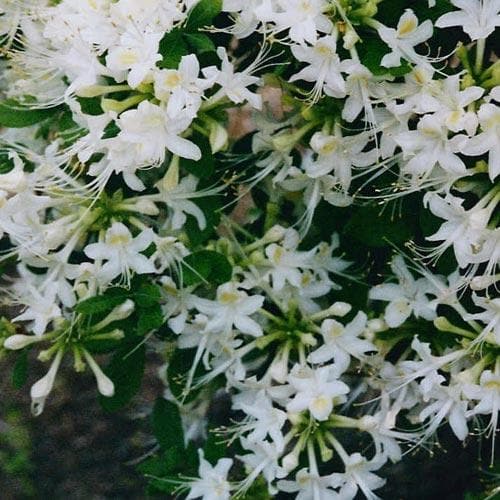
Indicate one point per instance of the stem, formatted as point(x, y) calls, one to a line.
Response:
point(481, 44)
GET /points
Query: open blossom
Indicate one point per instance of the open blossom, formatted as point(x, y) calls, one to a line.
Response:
point(406, 297)
point(478, 18)
point(323, 67)
point(122, 253)
point(488, 140)
point(231, 309)
point(317, 390)
point(212, 483)
point(135, 57)
point(404, 38)
point(342, 342)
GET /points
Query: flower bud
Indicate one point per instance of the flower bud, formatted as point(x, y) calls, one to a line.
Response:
point(104, 384)
point(16, 342)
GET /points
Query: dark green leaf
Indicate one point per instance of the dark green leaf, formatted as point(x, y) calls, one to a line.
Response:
point(14, 115)
point(150, 319)
point(205, 167)
point(20, 371)
point(376, 227)
point(148, 295)
point(203, 14)
point(172, 48)
point(102, 303)
point(206, 265)
point(210, 207)
point(125, 370)
point(167, 425)
point(200, 42)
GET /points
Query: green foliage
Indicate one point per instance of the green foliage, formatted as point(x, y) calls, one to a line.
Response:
point(376, 227)
point(126, 370)
point(15, 115)
point(167, 426)
point(203, 14)
point(206, 266)
point(20, 370)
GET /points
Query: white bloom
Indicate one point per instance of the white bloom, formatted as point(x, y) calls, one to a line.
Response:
point(232, 308)
point(407, 297)
point(233, 84)
point(323, 67)
point(122, 253)
point(488, 141)
point(403, 39)
point(311, 486)
point(359, 476)
point(341, 342)
point(478, 18)
point(213, 483)
point(135, 57)
point(151, 129)
point(181, 88)
point(318, 390)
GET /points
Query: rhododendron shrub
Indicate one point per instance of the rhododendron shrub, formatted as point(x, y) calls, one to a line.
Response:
point(293, 203)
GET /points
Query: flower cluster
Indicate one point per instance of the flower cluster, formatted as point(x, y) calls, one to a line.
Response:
point(295, 203)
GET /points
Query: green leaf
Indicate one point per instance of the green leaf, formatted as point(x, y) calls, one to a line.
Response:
point(206, 265)
point(167, 425)
point(20, 371)
point(179, 365)
point(150, 319)
point(375, 227)
point(211, 209)
point(371, 53)
point(172, 48)
point(125, 370)
point(102, 303)
point(15, 115)
point(205, 167)
point(148, 295)
point(199, 42)
point(203, 14)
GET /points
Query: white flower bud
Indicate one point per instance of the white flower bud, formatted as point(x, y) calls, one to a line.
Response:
point(104, 384)
point(41, 389)
point(275, 234)
point(146, 207)
point(123, 311)
point(377, 325)
point(15, 342)
point(339, 309)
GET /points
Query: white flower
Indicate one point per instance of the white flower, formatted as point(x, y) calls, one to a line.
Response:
point(41, 309)
point(478, 18)
point(213, 483)
point(135, 57)
point(266, 419)
point(341, 342)
point(488, 141)
point(318, 390)
point(359, 476)
point(403, 39)
point(339, 154)
point(233, 84)
point(428, 145)
point(464, 229)
point(150, 130)
point(407, 297)
point(303, 18)
point(232, 308)
point(181, 87)
point(324, 67)
point(311, 486)
point(122, 253)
